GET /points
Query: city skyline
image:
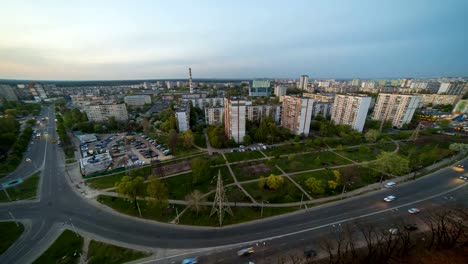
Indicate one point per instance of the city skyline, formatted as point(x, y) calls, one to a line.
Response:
point(158, 40)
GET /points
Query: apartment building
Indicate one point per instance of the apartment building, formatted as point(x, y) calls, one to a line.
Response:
point(453, 88)
point(260, 88)
point(323, 104)
point(438, 99)
point(182, 114)
point(258, 112)
point(280, 91)
point(137, 100)
point(214, 115)
point(397, 108)
point(102, 112)
point(235, 111)
point(297, 114)
point(303, 82)
point(205, 102)
point(351, 110)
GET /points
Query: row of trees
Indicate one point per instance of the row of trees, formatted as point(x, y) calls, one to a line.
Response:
point(135, 187)
point(266, 131)
point(15, 155)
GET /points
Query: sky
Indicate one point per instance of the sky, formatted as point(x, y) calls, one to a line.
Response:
point(104, 40)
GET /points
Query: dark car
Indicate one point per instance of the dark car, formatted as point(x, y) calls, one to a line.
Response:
point(411, 227)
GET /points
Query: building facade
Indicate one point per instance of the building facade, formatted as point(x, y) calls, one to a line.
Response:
point(397, 108)
point(280, 91)
point(137, 100)
point(214, 115)
point(258, 112)
point(205, 102)
point(350, 110)
point(303, 81)
point(102, 112)
point(235, 111)
point(260, 88)
point(438, 99)
point(297, 114)
point(182, 114)
point(453, 88)
point(323, 104)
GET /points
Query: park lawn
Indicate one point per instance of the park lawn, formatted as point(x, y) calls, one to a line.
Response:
point(287, 193)
point(10, 233)
point(288, 149)
point(309, 161)
point(99, 252)
point(217, 159)
point(374, 150)
point(106, 181)
point(388, 147)
point(181, 185)
point(240, 156)
point(127, 207)
point(323, 175)
point(23, 191)
point(253, 170)
point(233, 194)
point(240, 215)
point(66, 249)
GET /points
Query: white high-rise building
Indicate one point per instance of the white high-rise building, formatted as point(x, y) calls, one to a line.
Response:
point(259, 112)
point(397, 108)
point(323, 104)
point(182, 114)
point(303, 81)
point(280, 91)
point(455, 88)
point(297, 113)
point(235, 111)
point(214, 115)
point(351, 110)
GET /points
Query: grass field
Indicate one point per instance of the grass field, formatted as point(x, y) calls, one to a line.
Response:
point(10, 233)
point(66, 249)
point(240, 215)
point(253, 170)
point(26, 190)
point(240, 156)
point(310, 161)
point(127, 207)
point(287, 193)
point(99, 252)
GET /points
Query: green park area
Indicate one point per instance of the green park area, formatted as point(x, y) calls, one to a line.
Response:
point(319, 171)
point(99, 252)
point(10, 231)
point(26, 190)
point(66, 249)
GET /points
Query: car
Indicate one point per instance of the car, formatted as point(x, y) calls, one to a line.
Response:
point(245, 251)
point(390, 184)
point(28, 160)
point(389, 198)
point(189, 261)
point(411, 227)
point(413, 210)
point(394, 231)
point(463, 177)
point(460, 166)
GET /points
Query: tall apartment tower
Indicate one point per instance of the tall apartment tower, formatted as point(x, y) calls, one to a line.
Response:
point(398, 108)
point(190, 81)
point(351, 110)
point(280, 91)
point(297, 113)
point(303, 81)
point(235, 111)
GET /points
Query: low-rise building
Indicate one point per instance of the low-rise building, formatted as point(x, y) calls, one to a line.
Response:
point(96, 163)
point(137, 100)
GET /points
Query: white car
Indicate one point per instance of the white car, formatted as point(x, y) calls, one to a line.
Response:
point(245, 251)
point(389, 198)
point(394, 231)
point(390, 184)
point(413, 210)
point(28, 160)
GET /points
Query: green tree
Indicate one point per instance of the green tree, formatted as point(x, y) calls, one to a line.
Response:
point(201, 170)
point(364, 149)
point(195, 200)
point(172, 140)
point(157, 191)
point(187, 139)
point(274, 182)
point(332, 185)
point(247, 140)
point(315, 185)
point(262, 182)
point(131, 188)
point(372, 135)
point(443, 123)
point(337, 175)
point(390, 162)
point(459, 147)
point(11, 113)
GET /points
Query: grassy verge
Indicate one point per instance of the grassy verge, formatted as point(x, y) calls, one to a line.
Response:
point(127, 207)
point(10, 233)
point(287, 193)
point(310, 161)
point(99, 252)
point(26, 190)
point(240, 215)
point(239, 156)
point(105, 182)
point(66, 249)
point(253, 170)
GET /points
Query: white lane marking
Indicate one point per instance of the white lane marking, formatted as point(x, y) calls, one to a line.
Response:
point(312, 228)
point(38, 231)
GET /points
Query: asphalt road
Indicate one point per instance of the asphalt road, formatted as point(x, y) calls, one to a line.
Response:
point(60, 204)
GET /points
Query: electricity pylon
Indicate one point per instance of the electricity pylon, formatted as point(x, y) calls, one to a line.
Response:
point(220, 201)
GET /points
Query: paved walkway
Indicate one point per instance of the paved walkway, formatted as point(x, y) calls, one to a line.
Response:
point(236, 182)
point(294, 182)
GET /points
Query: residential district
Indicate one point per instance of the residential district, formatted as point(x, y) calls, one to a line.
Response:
point(233, 171)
